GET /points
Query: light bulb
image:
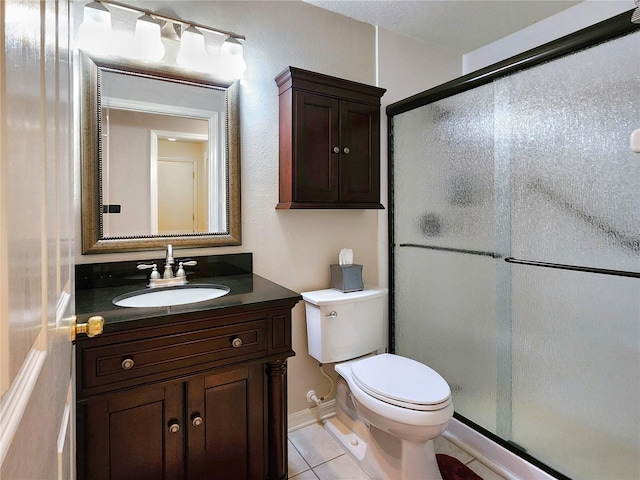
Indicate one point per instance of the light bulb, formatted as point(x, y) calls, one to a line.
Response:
point(233, 60)
point(193, 52)
point(147, 38)
point(95, 32)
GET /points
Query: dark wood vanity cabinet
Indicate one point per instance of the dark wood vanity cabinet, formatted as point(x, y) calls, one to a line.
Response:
point(199, 398)
point(329, 142)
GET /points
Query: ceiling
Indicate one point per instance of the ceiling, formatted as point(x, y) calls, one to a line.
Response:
point(458, 25)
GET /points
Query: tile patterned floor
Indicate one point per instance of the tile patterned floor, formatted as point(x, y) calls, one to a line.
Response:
point(314, 455)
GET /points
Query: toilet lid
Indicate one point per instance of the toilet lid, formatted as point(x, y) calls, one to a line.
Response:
point(402, 382)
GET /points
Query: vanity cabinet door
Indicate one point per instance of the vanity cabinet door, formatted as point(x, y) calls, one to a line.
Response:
point(138, 435)
point(226, 425)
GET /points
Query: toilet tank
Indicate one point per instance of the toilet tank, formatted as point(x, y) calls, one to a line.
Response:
point(341, 326)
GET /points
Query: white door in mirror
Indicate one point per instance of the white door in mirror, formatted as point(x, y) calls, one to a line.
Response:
point(167, 297)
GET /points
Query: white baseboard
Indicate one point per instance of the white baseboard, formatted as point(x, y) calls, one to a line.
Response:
point(14, 402)
point(486, 451)
point(311, 415)
point(494, 456)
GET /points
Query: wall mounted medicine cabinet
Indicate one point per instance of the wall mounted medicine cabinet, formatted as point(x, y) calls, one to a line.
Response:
point(329, 142)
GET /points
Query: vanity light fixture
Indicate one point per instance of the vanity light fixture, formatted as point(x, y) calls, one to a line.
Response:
point(151, 31)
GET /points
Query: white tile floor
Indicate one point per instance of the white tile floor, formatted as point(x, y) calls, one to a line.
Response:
point(314, 455)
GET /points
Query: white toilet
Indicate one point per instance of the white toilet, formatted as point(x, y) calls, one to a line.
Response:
point(388, 408)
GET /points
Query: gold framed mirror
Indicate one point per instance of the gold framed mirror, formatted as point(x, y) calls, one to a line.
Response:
point(160, 158)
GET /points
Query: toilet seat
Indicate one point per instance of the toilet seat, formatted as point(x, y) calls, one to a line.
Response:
point(402, 382)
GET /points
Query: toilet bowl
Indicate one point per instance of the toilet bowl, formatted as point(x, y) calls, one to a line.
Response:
point(388, 408)
point(397, 407)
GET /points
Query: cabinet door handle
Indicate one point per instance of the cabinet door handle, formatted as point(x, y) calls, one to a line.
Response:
point(236, 342)
point(336, 149)
point(346, 150)
point(127, 363)
point(196, 420)
point(174, 426)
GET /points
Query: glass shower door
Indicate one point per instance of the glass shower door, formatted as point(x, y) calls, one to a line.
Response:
point(445, 260)
point(516, 256)
point(575, 201)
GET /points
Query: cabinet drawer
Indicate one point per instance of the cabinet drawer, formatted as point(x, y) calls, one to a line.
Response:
point(139, 361)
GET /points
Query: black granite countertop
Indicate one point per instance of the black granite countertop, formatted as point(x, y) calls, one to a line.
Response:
point(97, 287)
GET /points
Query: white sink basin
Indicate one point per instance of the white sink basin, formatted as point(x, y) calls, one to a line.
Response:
point(166, 297)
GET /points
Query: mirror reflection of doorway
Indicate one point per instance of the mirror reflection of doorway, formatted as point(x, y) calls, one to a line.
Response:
point(181, 185)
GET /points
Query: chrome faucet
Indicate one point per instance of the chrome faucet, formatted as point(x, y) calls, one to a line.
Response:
point(168, 263)
point(168, 278)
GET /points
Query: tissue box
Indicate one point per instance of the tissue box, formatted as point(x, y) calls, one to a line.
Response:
point(346, 278)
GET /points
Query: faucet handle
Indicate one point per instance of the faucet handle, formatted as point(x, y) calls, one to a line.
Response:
point(188, 263)
point(144, 266)
point(153, 266)
point(181, 273)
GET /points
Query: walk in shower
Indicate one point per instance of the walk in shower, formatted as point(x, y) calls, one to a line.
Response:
point(515, 234)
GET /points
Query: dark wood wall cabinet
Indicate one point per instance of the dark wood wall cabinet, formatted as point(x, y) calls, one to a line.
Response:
point(197, 396)
point(329, 142)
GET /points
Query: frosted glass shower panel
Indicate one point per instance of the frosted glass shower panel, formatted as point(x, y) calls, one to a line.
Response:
point(443, 172)
point(576, 371)
point(535, 166)
point(446, 320)
point(575, 181)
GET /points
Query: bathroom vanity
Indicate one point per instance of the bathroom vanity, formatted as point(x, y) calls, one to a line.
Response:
point(195, 391)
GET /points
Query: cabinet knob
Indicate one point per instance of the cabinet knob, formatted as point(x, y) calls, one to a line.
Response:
point(336, 149)
point(236, 342)
point(127, 363)
point(174, 426)
point(196, 420)
point(346, 150)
